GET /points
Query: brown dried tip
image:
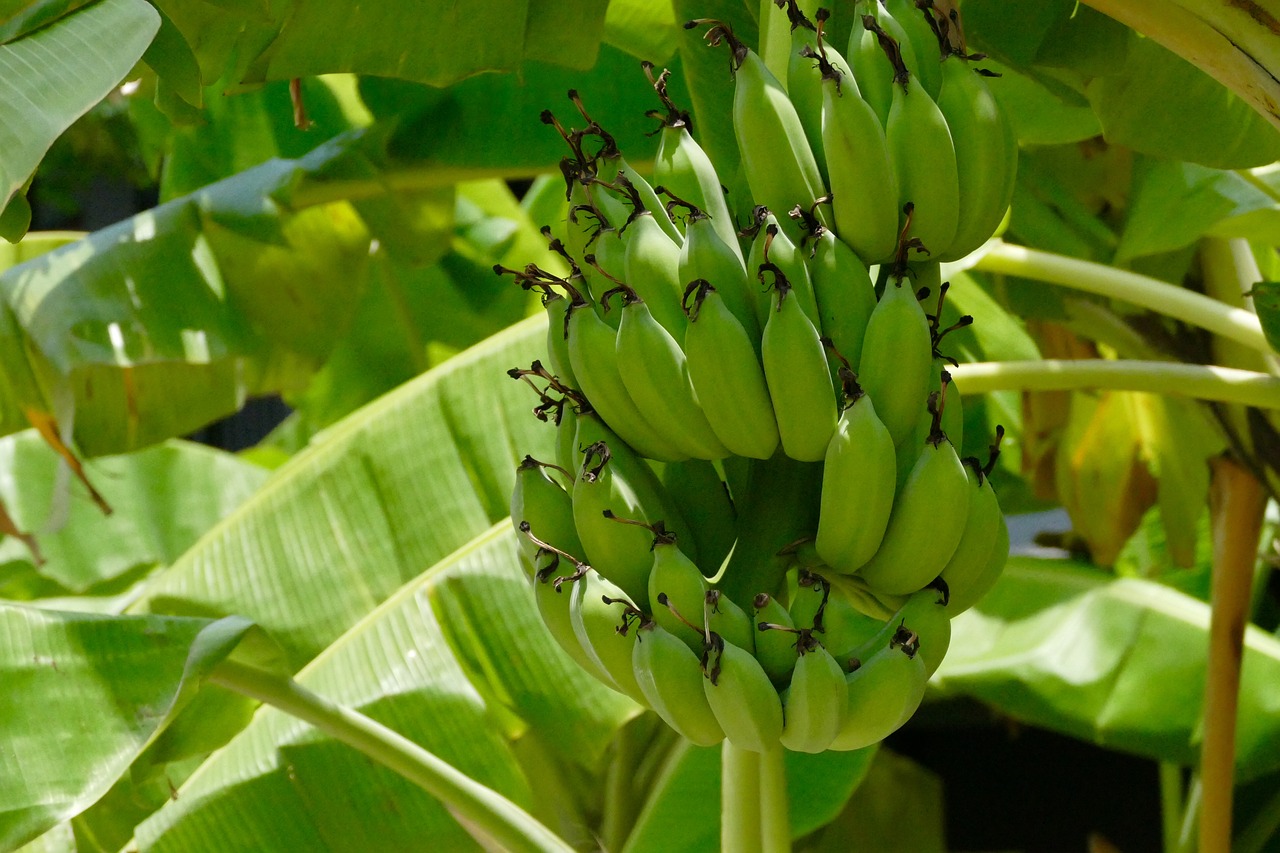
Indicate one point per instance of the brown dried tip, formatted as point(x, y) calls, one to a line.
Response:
point(891, 49)
point(719, 33)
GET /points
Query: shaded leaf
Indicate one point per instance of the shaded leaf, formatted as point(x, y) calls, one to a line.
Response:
point(55, 74)
point(95, 691)
point(899, 806)
point(1266, 300)
point(1117, 662)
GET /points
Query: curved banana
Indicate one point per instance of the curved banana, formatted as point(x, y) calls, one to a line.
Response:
point(926, 524)
point(967, 573)
point(724, 617)
point(602, 616)
point(858, 483)
point(874, 75)
point(773, 247)
point(883, 694)
point(652, 269)
point(670, 677)
point(741, 696)
point(816, 702)
point(779, 165)
point(896, 355)
point(917, 30)
point(845, 294)
point(986, 155)
point(656, 375)
point(593, 355)
point(684, 169)
point(795, 369)
point(922, 155)
point(706, 257)
point(972, 592)
point(727, 376)
point(545, 505)
point(864, 188)
point(677, 592)
point(776, 640)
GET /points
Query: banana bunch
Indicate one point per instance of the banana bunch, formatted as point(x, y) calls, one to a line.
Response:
point(758, 521)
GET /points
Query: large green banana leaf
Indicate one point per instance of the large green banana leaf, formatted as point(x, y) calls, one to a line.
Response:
point(1116, 661)
point(162, 499)
point(85, 694)
point(55, 73)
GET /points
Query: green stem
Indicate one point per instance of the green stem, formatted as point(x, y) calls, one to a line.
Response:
point(1203, 382)
point(1190, 817)
point(474, 805)
point(1177, 302)
point(739, 800)
point(775, 820)
point(1170, 804)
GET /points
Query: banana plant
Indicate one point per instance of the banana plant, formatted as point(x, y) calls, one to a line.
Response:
point(348, 637)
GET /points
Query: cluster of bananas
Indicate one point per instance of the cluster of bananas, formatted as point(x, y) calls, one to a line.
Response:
point(757, 522)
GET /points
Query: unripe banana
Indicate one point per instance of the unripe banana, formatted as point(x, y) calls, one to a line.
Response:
point(883, 694)
point(874, 75)
point(652, 267)
point(593, 355)
point(545, 505)
point(726, 618)
point(684, 169)
point(986, 155)
point(923, 40)
point(967, 571)
point(670, 677)
point(923, 157)
point(802, 88)
point(616, 483)
point(553, 601)
point(728, 377)
point(771, 248)
point(557, 307)
point(602, 616)
point(846, 296)
point(973, 591)
point(656, 376)
point(795, 368)
point(947, 396)
point(702, 499)
point(842, 627)
point(896, 355)
point(816, 702)
point(677, 593)
point(926, 524)
point(567, 455)
point(780, 167)
point(775, 644)
point(705, 257)
point(864, 189)
point(741, 696)
point(858, 481)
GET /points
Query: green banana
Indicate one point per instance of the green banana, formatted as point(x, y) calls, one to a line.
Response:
point(602, 616)
point(864, 187)
point(776, 640)
point(670, 677)
point(802, 88)
point(845, 294)
point(920, 33)
point(706, 257)
point(702, 499)
point(684, 169)
point(884, 691)
point(896, 355)
point(741, 696)
point(780, 167)
point(553, 607)
point(656, 376)
point(816, 702)
point(858, 481)
point(844, 628)
point(927, 521)
point(726, 618)
point(546, 506)
point(967, 571)
point(922, 155)
point(947, 396)
point(973, 591)
point(677, 592)
point(773, 247)
point(795, 369)
point(874, 75)
point(593, 355)
point(986, 154)
point(652, 269)
point(727, 376)
point(612, 481)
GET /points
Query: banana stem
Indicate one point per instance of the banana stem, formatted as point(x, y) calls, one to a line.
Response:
point(477, 807)
point(1170, 805)
point(1203, 382)
point(740, 824)
point(775, 820)
point(1240, 502)
point(1181, 304)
